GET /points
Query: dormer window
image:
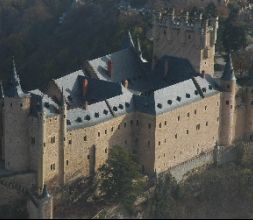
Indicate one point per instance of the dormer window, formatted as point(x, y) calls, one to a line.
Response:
point(97, 115)
point(115, 108)
point(121, 106)
point(196, 92)
point(68, 122)
point(106, 112)
point(170, 102)
point(159, 105)
point(204, 90)
point(79, 119)
point(87, 117)
point(179, 99)
point(188, 95)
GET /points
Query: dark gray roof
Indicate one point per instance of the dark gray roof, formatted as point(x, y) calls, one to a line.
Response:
point(101, 111)
point(98, 90)
point(175, 96)
point(228, 73)
point(125, 65)
point(40, 102)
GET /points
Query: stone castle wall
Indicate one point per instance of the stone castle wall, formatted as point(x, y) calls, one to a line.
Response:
point(8, 195)
point(186, 43)
point(15, 115)
point(186, 132)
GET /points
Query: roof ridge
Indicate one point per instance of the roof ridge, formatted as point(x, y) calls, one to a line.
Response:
point(198, 87)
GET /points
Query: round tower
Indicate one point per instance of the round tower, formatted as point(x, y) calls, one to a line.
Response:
point(15, 115)
point(249, 114)
point(228, 86)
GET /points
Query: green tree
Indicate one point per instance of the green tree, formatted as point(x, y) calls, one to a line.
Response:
point(118, 175)
point(164, 201)
point(234, 37)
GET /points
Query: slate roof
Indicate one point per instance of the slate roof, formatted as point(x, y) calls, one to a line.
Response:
point(40, 102)
point(175, 96)
point(127, 65)
point(101, 111)
point(98, 90)
point(229, 73)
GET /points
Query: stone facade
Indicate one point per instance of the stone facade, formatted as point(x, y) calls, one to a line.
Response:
point(195, 42)
point(64, 135)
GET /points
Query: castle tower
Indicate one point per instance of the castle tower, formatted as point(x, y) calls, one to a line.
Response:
point(228, 86)
point(193, 39)
point(15, 113)
point(249, 116)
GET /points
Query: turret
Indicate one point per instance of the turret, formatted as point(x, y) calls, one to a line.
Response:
point(42, 206)
point(185, 37)
point(228, 86)
point(15, 114)
point(249, 115)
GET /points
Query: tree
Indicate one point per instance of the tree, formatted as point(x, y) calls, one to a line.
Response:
point(118, 175)
point(164, 201)
point(234, 37)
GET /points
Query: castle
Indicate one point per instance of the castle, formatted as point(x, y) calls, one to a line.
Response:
point(166, 114)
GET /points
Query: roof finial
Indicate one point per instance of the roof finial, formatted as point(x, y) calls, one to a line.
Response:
point(45, 194)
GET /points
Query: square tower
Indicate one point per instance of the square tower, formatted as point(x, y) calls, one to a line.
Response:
point(193, 39)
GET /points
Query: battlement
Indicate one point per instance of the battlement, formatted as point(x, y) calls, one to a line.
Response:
point(195, 22)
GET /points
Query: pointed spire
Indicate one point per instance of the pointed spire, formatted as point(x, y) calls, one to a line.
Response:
point(1, 90)
point(130, 39)
point(229, 74)
point(45, 194)
point(14, 88)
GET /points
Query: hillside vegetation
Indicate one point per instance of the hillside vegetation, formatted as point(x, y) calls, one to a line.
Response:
point(45, 49)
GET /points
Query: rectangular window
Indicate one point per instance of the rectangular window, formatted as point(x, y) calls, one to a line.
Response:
point(70, 142)
point(198, 127)
point(85, 138)
point(52, 140)
point(33, 140)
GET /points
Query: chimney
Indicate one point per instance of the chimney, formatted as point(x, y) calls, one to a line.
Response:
point(166, 68)
point(85, 87)
point(109, 67)
point(86, 104)
point(203, 74)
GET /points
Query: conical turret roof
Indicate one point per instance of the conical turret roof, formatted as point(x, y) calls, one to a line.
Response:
point(14, 88)
point(229, 73)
